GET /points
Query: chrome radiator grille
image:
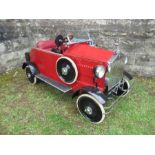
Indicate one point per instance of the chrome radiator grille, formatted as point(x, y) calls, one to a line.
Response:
point(116, 66)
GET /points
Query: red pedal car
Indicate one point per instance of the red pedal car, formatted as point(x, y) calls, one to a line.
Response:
point(77, 66)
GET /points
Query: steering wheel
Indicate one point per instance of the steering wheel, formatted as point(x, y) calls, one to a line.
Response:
point(68, 37)
point(59, 40)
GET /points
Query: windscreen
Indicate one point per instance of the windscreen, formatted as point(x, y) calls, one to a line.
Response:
point(78, 36)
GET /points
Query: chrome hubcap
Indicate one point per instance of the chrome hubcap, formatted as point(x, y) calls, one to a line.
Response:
point(28, 75)
point(65, 70)
point(88, 110)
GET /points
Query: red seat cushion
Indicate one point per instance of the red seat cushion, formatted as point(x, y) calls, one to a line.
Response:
point(46, 44)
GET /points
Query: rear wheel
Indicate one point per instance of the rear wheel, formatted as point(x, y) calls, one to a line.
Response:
point(32, 78)
point(90, 108)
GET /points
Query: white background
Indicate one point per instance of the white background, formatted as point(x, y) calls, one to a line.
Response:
point(77, 145)
point(72, 9)
point(77, 9)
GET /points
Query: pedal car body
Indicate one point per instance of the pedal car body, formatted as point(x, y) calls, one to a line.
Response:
point(77, 66)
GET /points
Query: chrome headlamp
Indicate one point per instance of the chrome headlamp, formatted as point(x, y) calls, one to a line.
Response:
point(99, 71)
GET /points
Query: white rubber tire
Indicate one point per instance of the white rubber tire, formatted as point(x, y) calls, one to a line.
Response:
point(128, 87)
point(35, 78)
point(98, 104)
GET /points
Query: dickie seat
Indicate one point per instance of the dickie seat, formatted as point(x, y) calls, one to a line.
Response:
point(48, 44)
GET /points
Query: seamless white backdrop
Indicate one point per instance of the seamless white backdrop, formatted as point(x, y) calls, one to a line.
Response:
point(72, 9)
point(77, 145)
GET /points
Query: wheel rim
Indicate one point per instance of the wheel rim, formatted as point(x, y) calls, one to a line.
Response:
point(30, 76)
point(90, 108)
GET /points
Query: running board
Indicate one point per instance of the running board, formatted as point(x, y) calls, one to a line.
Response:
point(53, 83)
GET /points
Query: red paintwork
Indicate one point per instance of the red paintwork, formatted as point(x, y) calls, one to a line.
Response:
point(46, 44)
point(89, 52)
point(85, 57)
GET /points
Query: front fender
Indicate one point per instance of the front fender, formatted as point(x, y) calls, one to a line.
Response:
point(93, 91)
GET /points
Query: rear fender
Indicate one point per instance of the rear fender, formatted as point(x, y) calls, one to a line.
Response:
point(32, 67)
point(24, 65)
point(93, 91)
point(27, 57)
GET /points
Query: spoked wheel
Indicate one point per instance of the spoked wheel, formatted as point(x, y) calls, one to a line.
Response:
point(90, 108)
point(123, 89)
point(32, 78)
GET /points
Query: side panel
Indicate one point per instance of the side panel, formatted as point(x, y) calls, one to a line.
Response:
point(85, 74)
point(45, 62)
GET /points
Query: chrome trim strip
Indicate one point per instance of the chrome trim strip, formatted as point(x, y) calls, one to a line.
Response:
point(113, 58)
point(46, 81)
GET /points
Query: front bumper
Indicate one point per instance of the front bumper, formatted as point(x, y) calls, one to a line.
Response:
point(119, 90)
point(126, 76)
point(116, 70)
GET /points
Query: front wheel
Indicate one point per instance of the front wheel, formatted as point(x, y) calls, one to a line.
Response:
point(123, 88)
point(90, 108)
point(32, 78)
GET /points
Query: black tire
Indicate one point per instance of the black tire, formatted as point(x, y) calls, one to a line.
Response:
point(32, 78)
point(90, 108)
